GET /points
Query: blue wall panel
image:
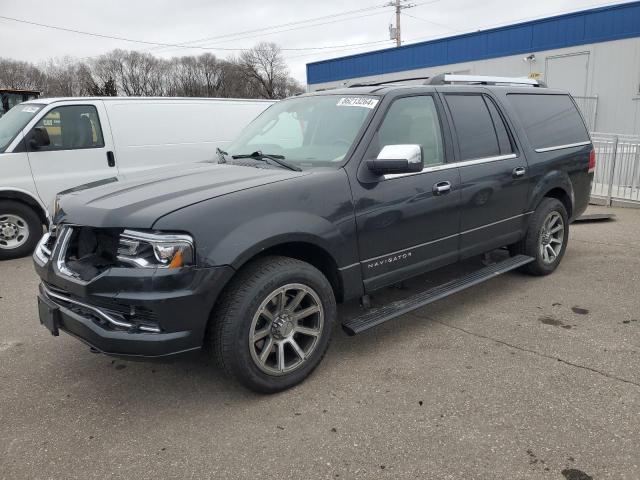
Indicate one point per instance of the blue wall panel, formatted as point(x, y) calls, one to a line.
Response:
point(590, 26)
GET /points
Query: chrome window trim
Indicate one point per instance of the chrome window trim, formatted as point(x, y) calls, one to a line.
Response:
point(97, 311)
point(447, 166)
point(561, 147)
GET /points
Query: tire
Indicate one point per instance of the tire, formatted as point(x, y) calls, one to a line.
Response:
point(243, 310)
point(534, 241)
point(20, 229)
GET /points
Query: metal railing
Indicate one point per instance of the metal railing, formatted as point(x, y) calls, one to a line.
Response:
point(617, 175)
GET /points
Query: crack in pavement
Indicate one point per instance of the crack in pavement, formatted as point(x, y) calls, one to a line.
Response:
point(544, 355)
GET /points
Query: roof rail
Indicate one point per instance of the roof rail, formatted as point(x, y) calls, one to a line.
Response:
point(385, 82)
point(447, 78)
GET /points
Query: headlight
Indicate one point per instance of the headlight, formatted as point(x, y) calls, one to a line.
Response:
point(155, 250)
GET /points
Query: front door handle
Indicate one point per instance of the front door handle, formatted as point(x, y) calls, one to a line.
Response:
point(111, 159)
point(441, 188)
point(518, 172)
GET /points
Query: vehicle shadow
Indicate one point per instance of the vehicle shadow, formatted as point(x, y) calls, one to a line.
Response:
point(196, 381)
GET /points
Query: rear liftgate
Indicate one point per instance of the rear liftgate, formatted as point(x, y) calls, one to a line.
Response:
point(376, 316)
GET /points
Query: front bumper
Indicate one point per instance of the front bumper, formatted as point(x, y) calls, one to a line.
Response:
point(133, 311)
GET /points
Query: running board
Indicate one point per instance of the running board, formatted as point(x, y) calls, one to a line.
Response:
point(376, 316)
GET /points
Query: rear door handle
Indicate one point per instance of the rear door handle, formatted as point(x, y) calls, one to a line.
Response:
point(441, 188)
point(519, 172)
point(111, 159)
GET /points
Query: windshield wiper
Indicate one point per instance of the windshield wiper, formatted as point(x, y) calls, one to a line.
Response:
point(279, 159)
point(222, 155)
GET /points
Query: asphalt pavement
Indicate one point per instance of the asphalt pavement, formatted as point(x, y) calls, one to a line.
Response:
point(517, 378)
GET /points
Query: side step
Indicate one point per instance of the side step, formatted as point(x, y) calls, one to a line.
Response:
point(376, 316)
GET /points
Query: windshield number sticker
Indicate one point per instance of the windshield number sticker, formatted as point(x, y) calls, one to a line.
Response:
point(357, 102)
point(30, 109)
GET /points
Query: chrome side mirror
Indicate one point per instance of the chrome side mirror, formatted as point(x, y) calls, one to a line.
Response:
point(397, 159)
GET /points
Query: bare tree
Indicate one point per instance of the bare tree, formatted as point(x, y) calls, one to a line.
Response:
point(258, 73)
point(266, 69)
point(22, 75)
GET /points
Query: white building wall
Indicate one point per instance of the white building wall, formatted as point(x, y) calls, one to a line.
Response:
point(608, 70)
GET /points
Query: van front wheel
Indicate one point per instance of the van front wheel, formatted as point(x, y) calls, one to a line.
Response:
point(20, 229)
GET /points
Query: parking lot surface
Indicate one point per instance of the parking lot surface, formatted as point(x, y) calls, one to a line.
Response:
point(517, 378)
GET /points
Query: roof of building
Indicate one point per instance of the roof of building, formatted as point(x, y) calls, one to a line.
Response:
point(603, 24)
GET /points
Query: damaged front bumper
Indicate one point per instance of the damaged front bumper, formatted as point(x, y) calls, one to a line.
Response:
point(140, 312)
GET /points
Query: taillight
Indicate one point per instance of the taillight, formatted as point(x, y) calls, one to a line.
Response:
point(592, 161)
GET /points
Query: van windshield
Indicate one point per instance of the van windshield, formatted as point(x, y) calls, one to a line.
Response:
point(307, 131)
point(12, 122)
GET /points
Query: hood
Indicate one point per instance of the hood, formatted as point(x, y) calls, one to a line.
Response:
point(138, 200)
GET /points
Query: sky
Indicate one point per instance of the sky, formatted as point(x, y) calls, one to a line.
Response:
point(225, 28)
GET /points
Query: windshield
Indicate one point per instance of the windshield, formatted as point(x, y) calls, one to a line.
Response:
point(12, 122)
point(307, 131)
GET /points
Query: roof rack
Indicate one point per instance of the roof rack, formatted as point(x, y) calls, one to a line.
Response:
point(385, 82)
point(447, 78)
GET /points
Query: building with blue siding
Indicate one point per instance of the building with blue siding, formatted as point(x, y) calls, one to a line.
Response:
point(595, 54)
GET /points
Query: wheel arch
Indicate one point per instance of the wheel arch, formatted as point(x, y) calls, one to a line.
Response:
point(22, 196)
point(555, 184)
point(301, 247)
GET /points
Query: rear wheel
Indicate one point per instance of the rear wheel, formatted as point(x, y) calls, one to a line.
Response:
point(546, 238)
point(20, 229)
point(273, 323)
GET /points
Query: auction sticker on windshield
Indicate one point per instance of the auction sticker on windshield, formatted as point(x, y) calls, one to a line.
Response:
point(357, 102)
point(30, 109)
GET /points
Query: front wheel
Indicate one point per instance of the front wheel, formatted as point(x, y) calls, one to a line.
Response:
point(546, 238)
point(20, 229)
point(273, 323)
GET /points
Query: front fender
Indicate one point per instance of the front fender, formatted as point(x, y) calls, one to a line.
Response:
point(259, 234)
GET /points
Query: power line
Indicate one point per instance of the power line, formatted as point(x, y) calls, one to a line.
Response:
point(282, 25)
point(433, 23)
point(295, 28)
point(161, 44)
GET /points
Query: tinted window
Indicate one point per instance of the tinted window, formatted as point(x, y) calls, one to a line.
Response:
point(504, 141)
point(72, 127)
point(549, 120)
point(414, 121)
point(476, 134)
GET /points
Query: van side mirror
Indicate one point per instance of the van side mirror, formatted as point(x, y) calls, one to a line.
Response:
point(39, 138)
point(397, 159)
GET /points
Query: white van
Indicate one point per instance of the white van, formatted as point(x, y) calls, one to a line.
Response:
point(51, 145)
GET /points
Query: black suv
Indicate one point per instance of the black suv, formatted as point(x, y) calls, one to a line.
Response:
point(325, 197)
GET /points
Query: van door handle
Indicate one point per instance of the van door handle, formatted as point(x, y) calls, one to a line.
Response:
point(518, 172)
point(111, 159)
point(441, 188)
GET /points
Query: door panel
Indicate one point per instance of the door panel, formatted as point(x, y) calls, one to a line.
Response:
point(493, 176)
point(492, 204)
point(77, 153)
point(406, 227)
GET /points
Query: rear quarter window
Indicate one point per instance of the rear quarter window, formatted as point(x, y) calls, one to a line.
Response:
point(549, 120)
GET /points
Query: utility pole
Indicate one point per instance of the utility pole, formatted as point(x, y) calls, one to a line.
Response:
point(394, 33)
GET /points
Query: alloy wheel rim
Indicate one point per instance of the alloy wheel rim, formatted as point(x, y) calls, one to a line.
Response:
point(14, 231)
point(551, 238)
point(286, 329)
